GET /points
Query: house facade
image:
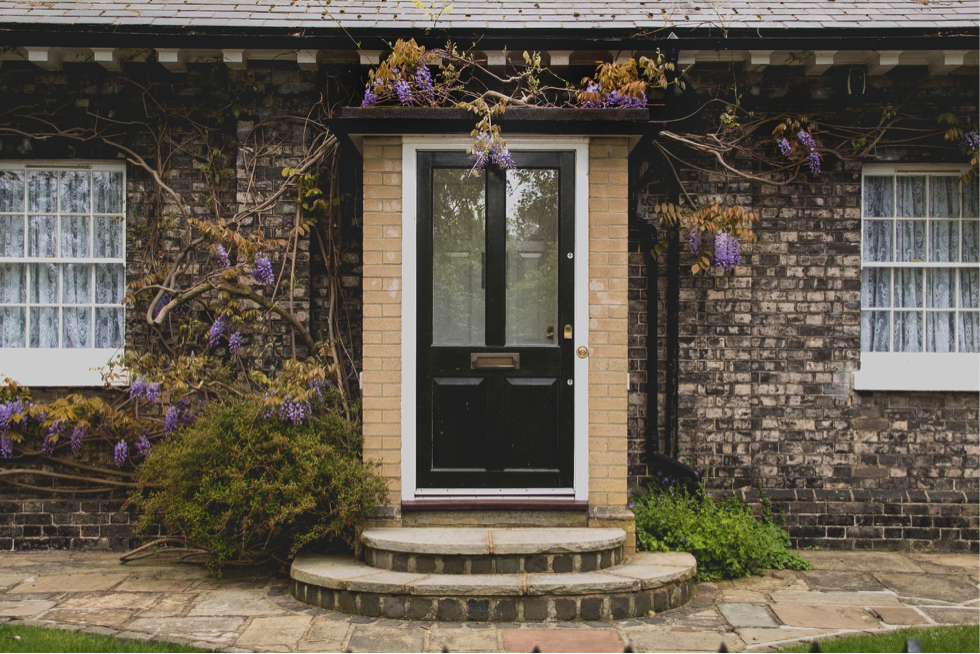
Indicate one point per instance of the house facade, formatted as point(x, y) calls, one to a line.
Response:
point(520, 357)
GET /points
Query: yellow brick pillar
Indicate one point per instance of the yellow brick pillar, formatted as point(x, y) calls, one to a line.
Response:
point(608, 334)
point(382, 330)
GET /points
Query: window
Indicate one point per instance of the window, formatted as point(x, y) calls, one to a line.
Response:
point(62, 271)
point(920, 279)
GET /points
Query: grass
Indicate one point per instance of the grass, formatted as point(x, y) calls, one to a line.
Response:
point(20, 638)
point(933, 639)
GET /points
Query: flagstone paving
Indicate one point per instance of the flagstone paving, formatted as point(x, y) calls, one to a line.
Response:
point(252, 611)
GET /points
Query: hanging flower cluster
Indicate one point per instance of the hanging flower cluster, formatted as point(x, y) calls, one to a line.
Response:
point(262, 272)
point(722, 249)
point(714, 235)
point(178, 415)
point(404, 76)
point(120, 453)
point(624, 85)
point(77, 436)
point(593, 97)
point(11, 413)
point(793, 136)
point(218, 329)
point(140, 388)
point(489, 148)
point(222, 254)
point(970, 142)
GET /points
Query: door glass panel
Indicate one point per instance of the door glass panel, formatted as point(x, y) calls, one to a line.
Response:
point(532, 257)
point(458, 257)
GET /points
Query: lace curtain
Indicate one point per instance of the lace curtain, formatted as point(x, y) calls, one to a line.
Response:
point(57, 303)
point(930, 309)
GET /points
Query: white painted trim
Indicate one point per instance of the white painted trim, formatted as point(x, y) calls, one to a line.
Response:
point(470, 493)
point(918, 371)
point(56, 367)
point(411, 145)
point(53, 367)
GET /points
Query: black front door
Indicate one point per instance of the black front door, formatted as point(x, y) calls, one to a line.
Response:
point(495, 317)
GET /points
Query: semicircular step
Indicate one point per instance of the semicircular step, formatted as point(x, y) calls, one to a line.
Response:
point(493, 551)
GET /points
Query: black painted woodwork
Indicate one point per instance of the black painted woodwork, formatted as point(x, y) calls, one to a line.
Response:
point(505, 427)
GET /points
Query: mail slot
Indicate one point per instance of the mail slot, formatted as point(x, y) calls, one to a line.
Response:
point(495, 361)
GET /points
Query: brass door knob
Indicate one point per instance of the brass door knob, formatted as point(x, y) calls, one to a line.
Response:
point(582, 352)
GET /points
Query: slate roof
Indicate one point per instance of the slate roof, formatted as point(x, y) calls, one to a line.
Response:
point(488, 15)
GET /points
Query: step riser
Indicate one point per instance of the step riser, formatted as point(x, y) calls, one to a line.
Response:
point(589, 608)
point(457, 565)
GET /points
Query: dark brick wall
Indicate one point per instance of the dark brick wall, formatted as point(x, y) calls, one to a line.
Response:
point(767, 352)
point(270, 93)
point(36, 524)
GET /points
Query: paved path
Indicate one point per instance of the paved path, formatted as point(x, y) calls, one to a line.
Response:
point(156, 598)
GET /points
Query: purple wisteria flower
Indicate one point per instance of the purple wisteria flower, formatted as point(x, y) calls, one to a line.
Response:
point(404, 91)
point(77, 435)
point(137, 388)
point(694, 241)
point(143, 445)
point(728, 253)
point(150, 391)
point(177, 416)
point(813, 160)
point(223, 256)
point(784, 147)
point(7, 412)
point(120, 453)
point(296, 412)
point(617, 99)
point(487, 149)
point(970, 142)
point(54, 431)
point(217, 330)
point(262, 272)
point(235, 342)
point(423, 80)
point(164, 301)
point(171, 420)
point(6, 446)
point(806, 139)
point(370, 98)
point(589, 103)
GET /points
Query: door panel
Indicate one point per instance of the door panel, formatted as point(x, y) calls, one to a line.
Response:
point(531, 436)
point(495, 276)
point(460, 422)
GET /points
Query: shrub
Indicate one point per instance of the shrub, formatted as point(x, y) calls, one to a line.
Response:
point(246, 486)
point(724, 536)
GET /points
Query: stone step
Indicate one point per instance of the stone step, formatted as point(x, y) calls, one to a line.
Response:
point(493, 551)
point(646, 582)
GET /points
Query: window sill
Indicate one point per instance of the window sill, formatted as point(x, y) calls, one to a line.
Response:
point(918, 371)
point(40, 367)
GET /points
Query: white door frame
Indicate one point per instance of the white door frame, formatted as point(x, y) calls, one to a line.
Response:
point(411, 145)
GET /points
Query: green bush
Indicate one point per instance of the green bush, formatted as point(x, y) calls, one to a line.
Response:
point(724, 536)
point(247, 487)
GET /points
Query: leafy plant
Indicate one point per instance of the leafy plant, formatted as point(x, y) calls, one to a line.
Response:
point(724, 536)
point(714, 234)
point(246, 487)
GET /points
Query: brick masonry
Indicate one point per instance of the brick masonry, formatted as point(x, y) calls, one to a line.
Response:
point(608, 314)
point(382, 386)
point(766, 353)
point(37, 524)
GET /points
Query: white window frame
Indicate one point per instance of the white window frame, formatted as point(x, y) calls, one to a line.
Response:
point(411, 145)
point(914, 371)
point(56, 367)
